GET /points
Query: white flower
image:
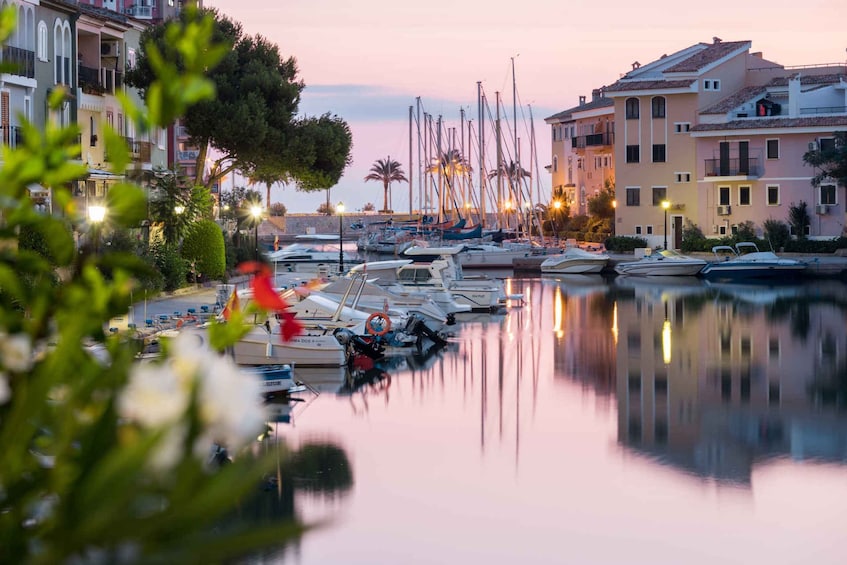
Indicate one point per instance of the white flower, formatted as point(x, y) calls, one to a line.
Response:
point(230, 404)
point(154, 396)
point(16, 352)
point(168, 451)
point(5, 390)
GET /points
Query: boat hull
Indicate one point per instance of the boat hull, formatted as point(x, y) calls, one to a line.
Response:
point(574, 266)
point(728, 271)
point(681, 269)
point(259, 347)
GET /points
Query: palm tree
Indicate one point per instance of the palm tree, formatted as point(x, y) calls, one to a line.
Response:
point(387, 171)
point(512, 171)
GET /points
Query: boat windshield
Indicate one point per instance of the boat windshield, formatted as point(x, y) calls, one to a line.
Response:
point(670, 254)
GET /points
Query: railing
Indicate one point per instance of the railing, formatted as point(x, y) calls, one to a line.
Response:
point(732, 167)
point(593, 140)
point(824, 110)
point(139, 150)
point(140, 12)
point(12, 135)
point(89, 80)
point(22, 59)
point(112, 80)
point(190, 155)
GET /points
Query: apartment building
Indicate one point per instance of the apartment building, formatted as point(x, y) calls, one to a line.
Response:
point(583, 156)
point(718, 133)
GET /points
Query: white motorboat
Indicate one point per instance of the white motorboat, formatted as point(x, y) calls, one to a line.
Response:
point(312, 348)
point(384, 274)
point(666, 262)
point(745, 261)
point(311, 254)
point(575, 261)
point(276, 379)
point(491, 256)
point(436, 268)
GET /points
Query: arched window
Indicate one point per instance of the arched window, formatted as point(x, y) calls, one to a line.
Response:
point(658, 106)
point(632, 108)
point(42, 41)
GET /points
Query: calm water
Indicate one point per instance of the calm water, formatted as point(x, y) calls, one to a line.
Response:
point(626, 421)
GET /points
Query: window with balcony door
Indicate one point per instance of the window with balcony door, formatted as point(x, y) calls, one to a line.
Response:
point(723, 196)
point(827, 194)
point(632, 108)
point(658, 106)
point(633, 196)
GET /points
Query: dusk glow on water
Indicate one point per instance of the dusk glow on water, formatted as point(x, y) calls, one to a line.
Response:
point(633, 421)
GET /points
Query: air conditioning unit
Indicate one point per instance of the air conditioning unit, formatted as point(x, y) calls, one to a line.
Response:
point(723, 210)
point(821, 209)
point(813, 145)
point(110, 49)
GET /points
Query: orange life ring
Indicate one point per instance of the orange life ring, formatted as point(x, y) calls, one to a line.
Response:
point(382, 328)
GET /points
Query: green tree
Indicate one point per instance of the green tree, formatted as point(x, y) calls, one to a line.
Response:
point(252, 123)
point(175, 204)
point(386, 171)
point(278, 209)
point(830, 161)
point(798, 219)
point(777, 233)
point(203, 248)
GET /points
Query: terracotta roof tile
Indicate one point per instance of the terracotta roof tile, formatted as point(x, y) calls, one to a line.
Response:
point(713, 52)
point(625, 86)
point(594, 104)
point(773, 123)
point(810, 80)
point(736, 99)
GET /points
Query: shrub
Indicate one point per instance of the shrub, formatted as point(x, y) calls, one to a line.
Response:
point(692, 238)
point(777, 233)
point(170, 263)
point(624, 244)
point(203, 249)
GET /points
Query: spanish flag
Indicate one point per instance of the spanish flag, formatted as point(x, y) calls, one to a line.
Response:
point(231, 305)
point(276, 243)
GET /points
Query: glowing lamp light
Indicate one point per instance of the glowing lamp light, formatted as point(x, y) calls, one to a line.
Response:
point(666, 342)
point(96, 213)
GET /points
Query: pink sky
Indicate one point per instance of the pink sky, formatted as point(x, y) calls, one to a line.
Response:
point(368, 61)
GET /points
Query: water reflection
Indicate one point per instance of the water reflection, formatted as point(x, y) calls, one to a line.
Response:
point(599, 410)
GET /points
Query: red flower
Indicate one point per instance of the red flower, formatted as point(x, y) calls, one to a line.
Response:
point(268, 299)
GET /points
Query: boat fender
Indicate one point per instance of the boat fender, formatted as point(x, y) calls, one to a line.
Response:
point(378, 324)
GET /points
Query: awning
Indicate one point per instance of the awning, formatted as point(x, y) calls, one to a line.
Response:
point(36, 189)
point(100, 174)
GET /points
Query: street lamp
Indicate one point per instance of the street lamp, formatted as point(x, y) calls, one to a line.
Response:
point(339, 209)
point(256, 212)
point(557, 206)
point(96, 214)
point(665, 205)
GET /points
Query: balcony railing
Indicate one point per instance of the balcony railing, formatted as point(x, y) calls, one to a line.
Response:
point(824, 110)
point(140, 12)
point(89, 80)
point(593, 140)
point(12, 136)
point(190, 155)
point(734, 167)
point(22, 59)
point(139, 151)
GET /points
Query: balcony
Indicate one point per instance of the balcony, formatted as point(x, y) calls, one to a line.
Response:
point(190, 155)
point(823, 110)
point(140, 12)
point(593, 140)
point(22, 60)
point(12, 136)
point(139, 151)
point(734, 167)
point(89, 81)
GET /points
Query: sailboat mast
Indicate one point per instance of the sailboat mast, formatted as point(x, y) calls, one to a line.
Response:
point(420, 163)
point(499, 161)
point(411, 162)
point(462, 156)
point(479, 102)
point(439, 153)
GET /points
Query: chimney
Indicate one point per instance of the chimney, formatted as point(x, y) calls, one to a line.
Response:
point(635, 65)
point(716, 39)
point(582, 100)
point(794, 96)
point(757, 54)
point(596, 94)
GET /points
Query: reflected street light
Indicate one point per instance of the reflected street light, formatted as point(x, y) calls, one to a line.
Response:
point(339, 209)
point(256, 212)
point(666, 204)
point(96, 214)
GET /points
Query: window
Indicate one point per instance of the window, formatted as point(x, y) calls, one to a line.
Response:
point(555, 163)
point(633, 196)
point(683, 177)
point(658, 106)
point(773, 349)
point(827, 143)
point(42, 41)
point(772, 148)
point(681, 127)
point(632, 108)
point(637, 230)
point(659, 193)
point(632, 154)
point(649, 230)
point(772, 195)
point(722, 229)
point(827, 194)
point(659, 153)
point(744, 195)
point(711, 84)
point(723, 196)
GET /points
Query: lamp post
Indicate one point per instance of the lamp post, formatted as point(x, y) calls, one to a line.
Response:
point(665, 205)
point(256, 212)
point(339, 209)
point(96, 214)
point(557, 205)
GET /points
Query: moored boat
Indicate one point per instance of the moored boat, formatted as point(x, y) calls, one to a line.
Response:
point(745, 261)
point(666, 262)
point(575, 261)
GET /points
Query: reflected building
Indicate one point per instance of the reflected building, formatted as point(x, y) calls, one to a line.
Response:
point(715, 380)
